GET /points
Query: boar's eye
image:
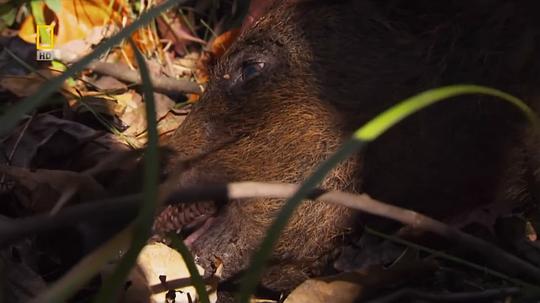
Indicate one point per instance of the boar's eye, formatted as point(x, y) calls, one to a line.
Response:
point(242, 79)
point(251, 70)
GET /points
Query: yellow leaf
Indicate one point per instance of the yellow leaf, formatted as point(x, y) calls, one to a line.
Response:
point(75, 20)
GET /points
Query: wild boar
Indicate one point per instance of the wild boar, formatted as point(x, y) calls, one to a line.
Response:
point(301, 79)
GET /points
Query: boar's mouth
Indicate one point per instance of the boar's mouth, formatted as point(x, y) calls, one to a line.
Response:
point(189, 220)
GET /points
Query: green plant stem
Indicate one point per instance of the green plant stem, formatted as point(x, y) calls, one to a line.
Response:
point(196, 279)
point(144, 220)
point(407, 107)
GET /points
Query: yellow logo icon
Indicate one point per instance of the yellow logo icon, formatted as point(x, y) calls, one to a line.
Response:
point(45, 37)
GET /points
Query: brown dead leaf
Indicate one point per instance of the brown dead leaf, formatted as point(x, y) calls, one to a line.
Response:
point(165, 127)
point(183, 67)
point(223, 42)
point(99, 103)
point(201, 67)
point(170, 123)
point(116, 163)
point(128, 99)
point(41, 190)
point(134, 114)
point(173, 28)
point(164, 104)
point(355, 286)
point(24, 86)
point(337, 289)
point(75, 49)
point(23, 50)
point(53, 143)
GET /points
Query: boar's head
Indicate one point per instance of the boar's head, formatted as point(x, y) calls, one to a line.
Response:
point(265, 116)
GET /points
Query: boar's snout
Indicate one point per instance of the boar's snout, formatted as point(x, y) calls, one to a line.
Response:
point(218, 144)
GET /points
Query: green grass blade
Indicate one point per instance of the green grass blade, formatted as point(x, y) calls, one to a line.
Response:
point(407, 107)
point(143, 222)
point(196, 279)
point(369, 132)
point(16, 112)
point(54, 5)
point(37, 12)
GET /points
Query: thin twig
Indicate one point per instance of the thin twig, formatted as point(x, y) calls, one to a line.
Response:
point(122, 207)
point(491, 253)
point(19, 138)
point(119, 208)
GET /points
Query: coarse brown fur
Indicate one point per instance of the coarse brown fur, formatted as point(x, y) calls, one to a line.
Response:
point(329, 68)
